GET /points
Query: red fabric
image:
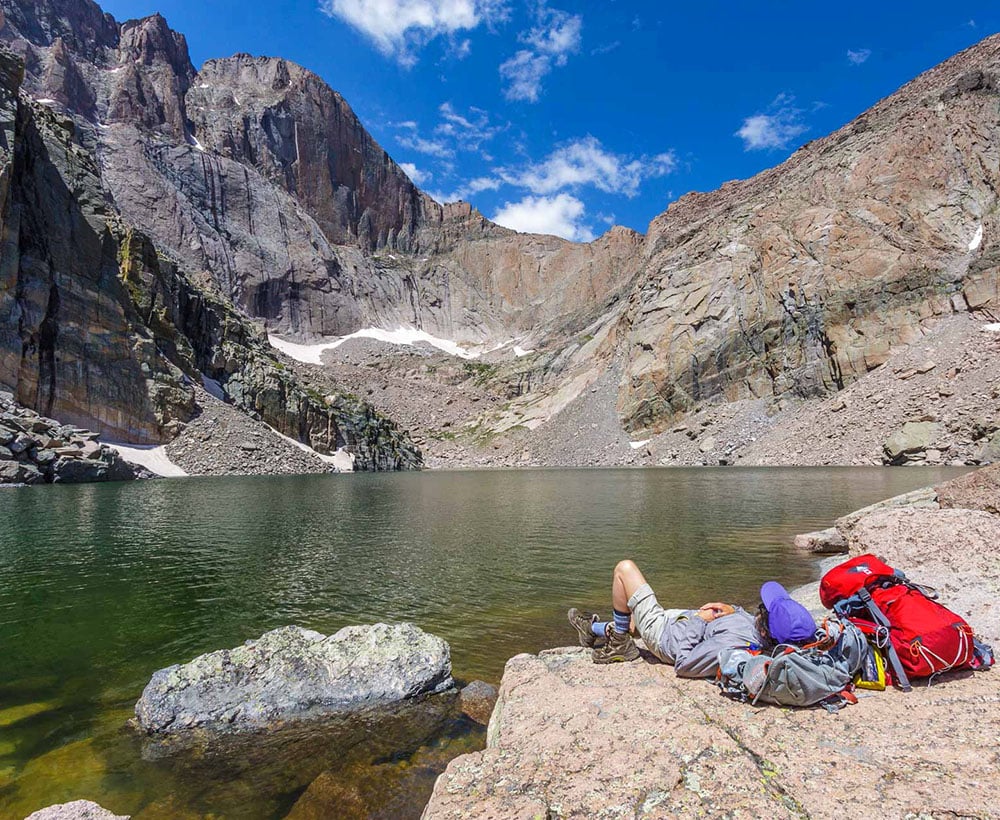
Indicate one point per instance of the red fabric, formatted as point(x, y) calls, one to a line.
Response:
point(845, 579)
point(928, 637)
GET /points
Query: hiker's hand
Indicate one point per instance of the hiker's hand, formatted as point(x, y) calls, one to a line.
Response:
point(716, 609)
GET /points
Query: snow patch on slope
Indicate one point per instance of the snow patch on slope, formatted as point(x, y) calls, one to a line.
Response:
point(312, 354)
point(153, 458)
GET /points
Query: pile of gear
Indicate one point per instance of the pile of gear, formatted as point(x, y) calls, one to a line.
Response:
point(884, 630)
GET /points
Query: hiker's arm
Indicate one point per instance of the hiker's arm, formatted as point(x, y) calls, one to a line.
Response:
point(716, 609)
point(702, 659)
point(699, 661)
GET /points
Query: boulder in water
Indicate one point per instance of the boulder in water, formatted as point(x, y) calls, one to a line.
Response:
point(292, 674)
point(77, 810)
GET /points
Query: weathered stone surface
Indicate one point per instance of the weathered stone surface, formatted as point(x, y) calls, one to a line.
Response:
point(914, 437)
point(572, 739)
point(29, 461)
point(13, 472)
point(979, 490)
point(805, 277)
point(956, 551)
point(824, 542)
point(477, 700)
point(76, 810)
point(293, 674)
point(925, 497)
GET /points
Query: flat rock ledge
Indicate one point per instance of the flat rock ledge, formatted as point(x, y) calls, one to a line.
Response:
point(77, 810)
point(571, 739)
point(292, 674)
point(575, 740)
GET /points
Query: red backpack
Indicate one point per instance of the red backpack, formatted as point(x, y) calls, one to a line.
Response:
point(920, 636)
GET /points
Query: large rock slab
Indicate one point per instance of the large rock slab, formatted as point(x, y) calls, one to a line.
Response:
point(979, 490)
point(292, 674)
point(569, 738)
point(572, 739)
point(955, 551)
point(77, 810)
point(911, 439)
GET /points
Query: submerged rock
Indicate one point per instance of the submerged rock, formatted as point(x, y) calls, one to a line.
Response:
point(77, 810)
point(293, 673)
point(477, 700)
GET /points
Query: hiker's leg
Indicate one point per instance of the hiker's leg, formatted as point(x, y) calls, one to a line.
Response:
point(649, 618)
point(626, 580)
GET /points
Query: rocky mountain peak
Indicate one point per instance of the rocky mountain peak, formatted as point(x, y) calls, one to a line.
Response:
point(151, 42)
point(80, 24)
point(290, 125)
point(152, 77)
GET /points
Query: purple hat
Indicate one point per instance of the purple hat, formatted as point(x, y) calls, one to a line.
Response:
point(787, 620)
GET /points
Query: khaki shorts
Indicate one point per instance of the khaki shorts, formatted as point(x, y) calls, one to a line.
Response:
point(651, 618)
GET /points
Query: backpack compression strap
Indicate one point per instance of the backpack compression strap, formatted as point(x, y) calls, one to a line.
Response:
point(897, 667)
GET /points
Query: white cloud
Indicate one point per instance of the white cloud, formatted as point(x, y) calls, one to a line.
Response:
point(607, 48)
point(560, 215)
point(469, 131)
point(524, 73)
point(555, 35)
point(859, 56)
point(776, 128)
point(586, 162)
point(434, 148)
point(397, 26)
point(417, 176)
point(473, 186)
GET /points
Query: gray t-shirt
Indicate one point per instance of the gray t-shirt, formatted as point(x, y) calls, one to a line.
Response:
point(693, 645)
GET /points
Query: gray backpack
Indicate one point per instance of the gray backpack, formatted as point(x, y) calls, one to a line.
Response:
point(792, 675)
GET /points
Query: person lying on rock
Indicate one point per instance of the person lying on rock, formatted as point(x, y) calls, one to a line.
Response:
point(690, 639)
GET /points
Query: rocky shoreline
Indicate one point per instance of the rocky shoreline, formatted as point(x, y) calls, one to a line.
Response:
point(39, 450)
point(572, 739)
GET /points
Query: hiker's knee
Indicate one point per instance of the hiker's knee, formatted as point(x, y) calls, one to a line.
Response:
point(626, 567)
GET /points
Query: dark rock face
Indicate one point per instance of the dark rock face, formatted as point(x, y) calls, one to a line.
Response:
point(68, 345)
point(96, 327)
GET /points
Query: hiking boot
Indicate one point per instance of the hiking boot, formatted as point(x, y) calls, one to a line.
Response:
point(619, 648)
point(582, 623)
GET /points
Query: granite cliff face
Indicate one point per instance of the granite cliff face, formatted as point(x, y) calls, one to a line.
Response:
point(802, 279)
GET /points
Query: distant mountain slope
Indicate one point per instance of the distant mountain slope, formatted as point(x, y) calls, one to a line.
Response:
point(802, 278)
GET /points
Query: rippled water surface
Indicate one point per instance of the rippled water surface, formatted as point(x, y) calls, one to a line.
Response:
point(102, 584)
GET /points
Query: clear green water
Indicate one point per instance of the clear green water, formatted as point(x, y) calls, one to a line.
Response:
point(102, 584)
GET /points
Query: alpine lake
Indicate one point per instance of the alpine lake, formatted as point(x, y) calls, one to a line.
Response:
point(100, 585)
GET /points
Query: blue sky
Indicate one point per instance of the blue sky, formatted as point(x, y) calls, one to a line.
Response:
point(565, 118)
